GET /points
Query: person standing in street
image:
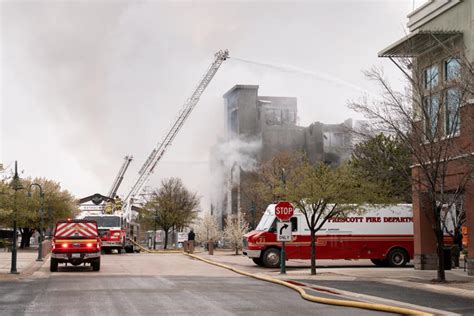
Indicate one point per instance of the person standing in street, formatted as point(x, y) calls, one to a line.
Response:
point(191, 236)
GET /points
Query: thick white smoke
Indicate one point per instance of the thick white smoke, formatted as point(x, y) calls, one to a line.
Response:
point(228, 158)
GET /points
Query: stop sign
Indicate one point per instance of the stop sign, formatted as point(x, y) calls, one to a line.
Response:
point(284, 210)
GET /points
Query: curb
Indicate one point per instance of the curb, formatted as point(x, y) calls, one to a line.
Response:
point(154, 251)
point(315, 299)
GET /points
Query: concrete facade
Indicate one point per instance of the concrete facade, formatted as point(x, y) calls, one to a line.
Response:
point(452, 21)
point(272, 123)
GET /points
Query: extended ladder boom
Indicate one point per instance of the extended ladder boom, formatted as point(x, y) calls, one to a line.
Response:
point(160, 149)
point(119, 178)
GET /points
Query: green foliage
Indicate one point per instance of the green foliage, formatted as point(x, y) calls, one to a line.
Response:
point(386, 161)
point(171, 206)
point(322, 192)
point(263, 186)
point(58, 203)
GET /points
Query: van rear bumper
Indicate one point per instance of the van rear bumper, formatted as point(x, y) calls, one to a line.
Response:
point(68, 256)
point(252, 253)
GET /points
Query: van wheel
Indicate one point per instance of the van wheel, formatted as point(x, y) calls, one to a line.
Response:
point(95, 265)
point(397, 258)
point(379, 262)
point(258, 261)
point(271, 258)
point(53, 267)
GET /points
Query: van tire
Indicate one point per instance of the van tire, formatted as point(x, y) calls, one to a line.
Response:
point(258, 261)
point(397, 257)
point(53, 266)
point(271, 258)
point(95, 265)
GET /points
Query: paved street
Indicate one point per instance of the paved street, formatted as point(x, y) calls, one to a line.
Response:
point(134, 284)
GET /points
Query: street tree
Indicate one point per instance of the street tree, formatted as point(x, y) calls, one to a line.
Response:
point(261, 187)
point(207, 229)
point(426, 117)
point(172, 206)
point(322, 192)
point(235, 228)
point(58, 204)
point(385, 160)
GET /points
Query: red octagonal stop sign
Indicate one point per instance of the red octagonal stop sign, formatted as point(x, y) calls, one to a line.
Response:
point(284, 210)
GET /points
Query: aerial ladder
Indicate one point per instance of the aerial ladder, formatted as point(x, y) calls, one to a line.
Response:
point(157, 153)
point(119, 178)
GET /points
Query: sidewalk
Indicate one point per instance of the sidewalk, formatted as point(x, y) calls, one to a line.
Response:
point(459, 283)
point(26, 262)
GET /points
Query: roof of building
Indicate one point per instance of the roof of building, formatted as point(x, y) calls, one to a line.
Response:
point(418, 42)
point(428, 11)
point(240, 86)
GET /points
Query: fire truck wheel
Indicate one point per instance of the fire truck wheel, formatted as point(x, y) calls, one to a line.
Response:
point(397, 257)
point(53, 267)
point(271, 258)
point(258, 261)
point(96, 265)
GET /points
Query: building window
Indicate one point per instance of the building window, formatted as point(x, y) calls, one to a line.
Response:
point(452, 68)
point(431, 110)
point(442, 100)
point(453, 102)
point(431, 75)
point(294, 224)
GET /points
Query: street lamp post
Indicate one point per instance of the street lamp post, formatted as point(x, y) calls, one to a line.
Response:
point(40, 241)
point(154, 233)
point(16, 185)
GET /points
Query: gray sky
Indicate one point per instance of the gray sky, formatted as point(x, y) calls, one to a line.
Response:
point(85, 83)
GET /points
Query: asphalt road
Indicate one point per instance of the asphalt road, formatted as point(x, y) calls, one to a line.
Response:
point(164, 284)
point(451, 303)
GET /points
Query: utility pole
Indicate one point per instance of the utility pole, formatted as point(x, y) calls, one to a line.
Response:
point(16, 185)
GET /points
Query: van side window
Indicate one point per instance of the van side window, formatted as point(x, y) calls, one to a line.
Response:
point(273, 227)
point(294, 224)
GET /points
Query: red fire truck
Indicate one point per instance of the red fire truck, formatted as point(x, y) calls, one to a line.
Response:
point(382, 234)
point(111, 231)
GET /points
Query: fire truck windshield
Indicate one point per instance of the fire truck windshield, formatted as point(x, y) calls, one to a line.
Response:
point(266, 222)
point(105, 221)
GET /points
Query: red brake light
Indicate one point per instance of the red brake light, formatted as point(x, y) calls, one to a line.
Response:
point(89, 245)
point(65, 245)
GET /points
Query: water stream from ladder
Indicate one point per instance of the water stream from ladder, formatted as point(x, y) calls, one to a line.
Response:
point(316, 74)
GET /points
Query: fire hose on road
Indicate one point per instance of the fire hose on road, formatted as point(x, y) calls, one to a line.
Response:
point(144, 249)
point(321, 300)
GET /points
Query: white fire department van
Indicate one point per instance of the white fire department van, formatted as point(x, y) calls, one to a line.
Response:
point(382, 234)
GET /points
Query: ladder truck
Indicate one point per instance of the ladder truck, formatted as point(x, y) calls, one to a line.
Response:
point(119, 178)
point(129, 214)
point(110, 222)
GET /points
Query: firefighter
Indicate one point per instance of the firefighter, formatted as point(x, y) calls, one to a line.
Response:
point(191, 236)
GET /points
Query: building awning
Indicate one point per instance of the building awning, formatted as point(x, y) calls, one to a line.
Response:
point(418, 42)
